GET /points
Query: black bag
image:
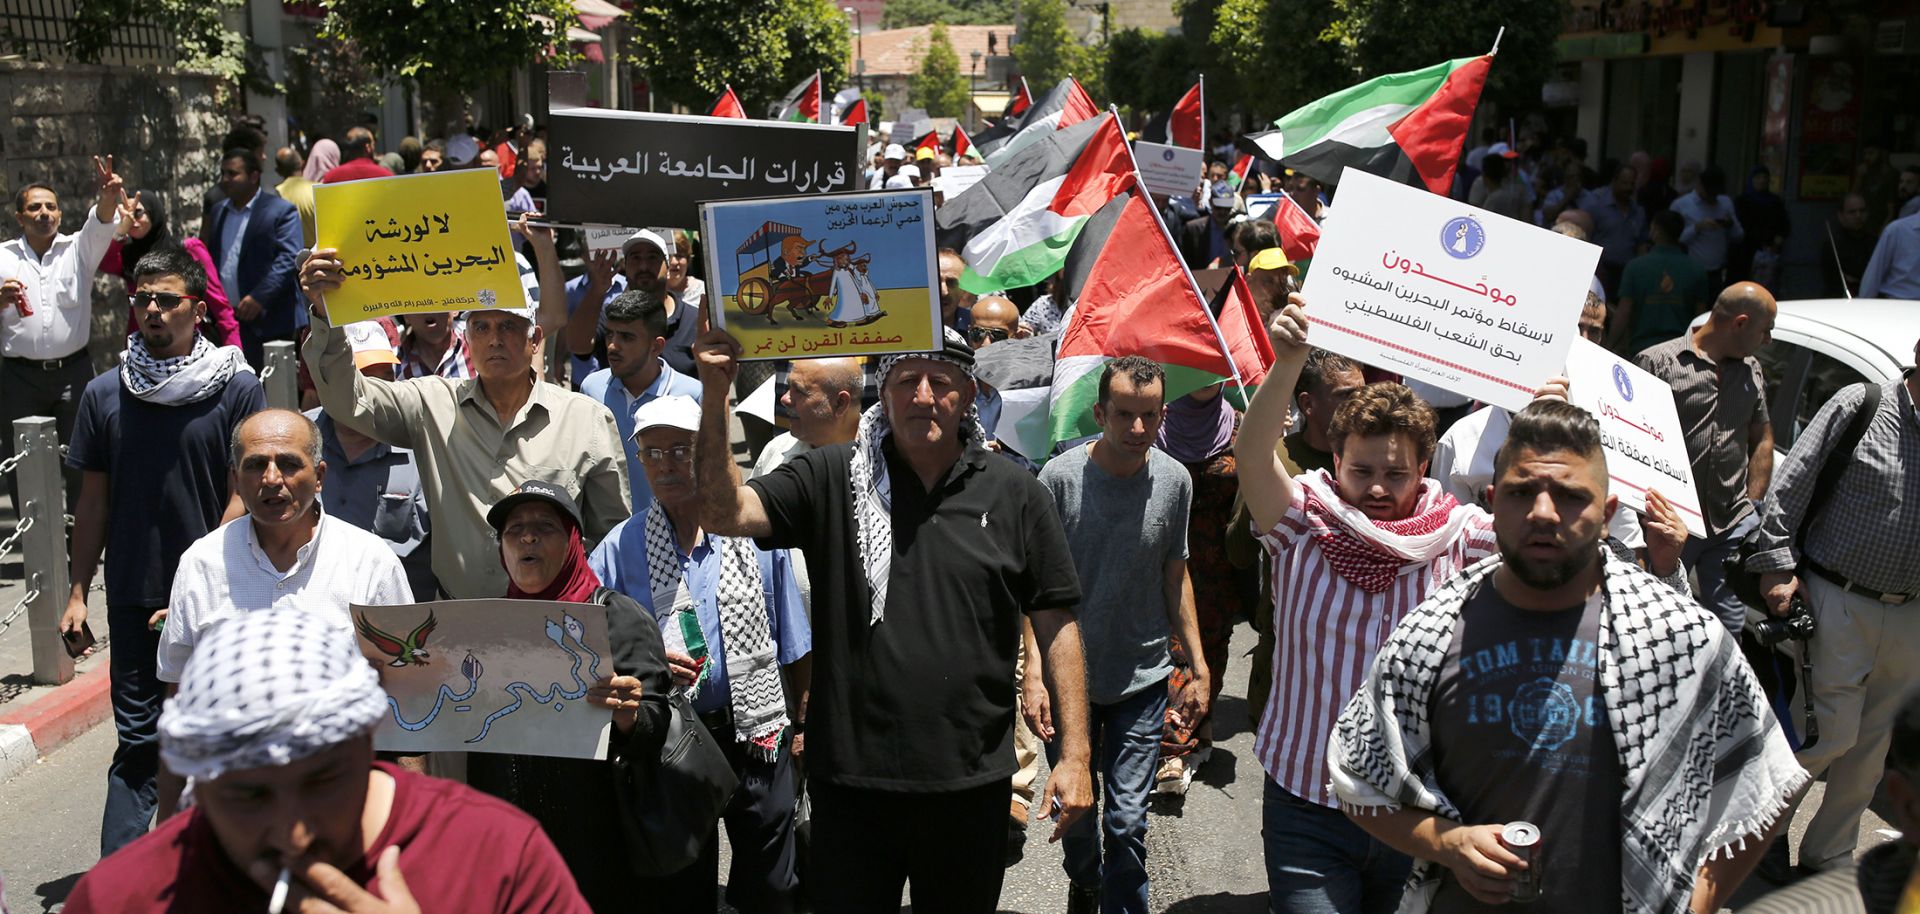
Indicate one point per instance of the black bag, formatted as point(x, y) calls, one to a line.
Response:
point(1746, 584)
point(674, 801)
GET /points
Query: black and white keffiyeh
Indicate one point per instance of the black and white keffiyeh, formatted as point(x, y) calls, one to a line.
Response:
point(1704, 763)
point(190, 378)
point(757, 698)
point(873, 491)
point(269, 687)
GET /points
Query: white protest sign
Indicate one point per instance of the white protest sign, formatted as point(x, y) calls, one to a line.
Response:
point(955, 179)
point(606, 237)
point(1170, 170)
point(1640, 429)
point(1446, 293)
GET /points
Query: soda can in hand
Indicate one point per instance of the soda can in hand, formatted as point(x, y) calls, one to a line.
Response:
point(1523, 839)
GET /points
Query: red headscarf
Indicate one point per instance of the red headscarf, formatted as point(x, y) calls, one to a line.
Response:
point(575, 583)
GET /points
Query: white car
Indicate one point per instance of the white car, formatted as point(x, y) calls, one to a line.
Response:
point(1822, 345)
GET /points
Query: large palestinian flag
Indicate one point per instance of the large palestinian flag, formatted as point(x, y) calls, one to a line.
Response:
point(1066, 105)
point(804, 102)
point(1406, 127)
point(1031, 241)
point(988, 201)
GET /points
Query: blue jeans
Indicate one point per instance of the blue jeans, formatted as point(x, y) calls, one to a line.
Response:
point(1319, 862)
point(1707, 559)
point(1126, 752)
point(132, 776)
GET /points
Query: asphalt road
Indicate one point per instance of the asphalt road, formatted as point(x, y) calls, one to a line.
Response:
point(1204, 852)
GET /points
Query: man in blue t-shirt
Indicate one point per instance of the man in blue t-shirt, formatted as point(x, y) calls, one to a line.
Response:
point(636, 374)
point(151, 443)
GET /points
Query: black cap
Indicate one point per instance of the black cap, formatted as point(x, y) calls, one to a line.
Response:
point(534, 490)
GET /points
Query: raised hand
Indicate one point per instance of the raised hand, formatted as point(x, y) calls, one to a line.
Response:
point(113, 192)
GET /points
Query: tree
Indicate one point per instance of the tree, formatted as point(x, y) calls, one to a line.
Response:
point(902, 14)
point(1277, 55)
point(1386, 36)
point(689, 49)
point(1147, 72)
point(939, 85)
point(449, 44)
point(1046, 50)
point(198, 27)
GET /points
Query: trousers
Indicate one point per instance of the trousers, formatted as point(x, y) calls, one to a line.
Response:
point(950, 847)
point(135, 690)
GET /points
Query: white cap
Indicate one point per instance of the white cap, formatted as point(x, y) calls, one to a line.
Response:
point(1597, 290)
point(899, 182)
point(896, 152)
point(644, 236)
point(1502, 150)
point(675, 411)
point(370, 343)
point(461, 148)
point(910, 170)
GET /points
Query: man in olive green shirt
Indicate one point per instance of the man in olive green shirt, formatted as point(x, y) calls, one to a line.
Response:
point(1660, 291)
point(469, 457)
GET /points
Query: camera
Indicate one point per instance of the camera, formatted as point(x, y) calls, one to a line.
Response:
point(1796, 626)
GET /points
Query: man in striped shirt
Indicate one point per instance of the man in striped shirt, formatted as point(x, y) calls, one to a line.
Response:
point(1353, 551)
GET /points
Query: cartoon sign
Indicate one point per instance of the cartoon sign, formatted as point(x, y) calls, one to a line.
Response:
point(1640, 429)
point(843, 274)
point(417, 243)
point(1445, 293)
point(506, 676)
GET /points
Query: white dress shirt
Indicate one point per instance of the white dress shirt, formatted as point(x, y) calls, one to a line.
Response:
point(226, 573)
point(59, 290)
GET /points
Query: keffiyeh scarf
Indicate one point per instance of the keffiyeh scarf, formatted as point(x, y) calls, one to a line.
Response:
point(190, 378)
point(1705, 764)
point(268, 687)
point(757, 698)
point(1370, 553)
point(873, 490)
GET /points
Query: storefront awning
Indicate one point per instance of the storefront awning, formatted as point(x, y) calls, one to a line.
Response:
point(596, 14)
point(991, 102)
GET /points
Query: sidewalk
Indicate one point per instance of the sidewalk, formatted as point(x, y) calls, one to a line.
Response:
point(37, 719)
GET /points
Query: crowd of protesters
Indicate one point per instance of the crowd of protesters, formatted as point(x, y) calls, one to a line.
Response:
point(888, 617)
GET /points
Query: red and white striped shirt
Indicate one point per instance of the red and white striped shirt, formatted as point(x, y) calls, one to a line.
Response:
point(1327, 631)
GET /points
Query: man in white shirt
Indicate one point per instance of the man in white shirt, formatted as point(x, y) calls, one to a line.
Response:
point(46, 309)
point(286, 553)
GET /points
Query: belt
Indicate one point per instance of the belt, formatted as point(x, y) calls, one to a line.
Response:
point(1839, 580)
point(51, 364)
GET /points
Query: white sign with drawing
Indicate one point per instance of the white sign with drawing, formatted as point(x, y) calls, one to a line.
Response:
point(1445, 293)
point(1640, 428)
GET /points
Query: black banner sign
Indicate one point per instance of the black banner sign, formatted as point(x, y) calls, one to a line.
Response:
point(635, 168)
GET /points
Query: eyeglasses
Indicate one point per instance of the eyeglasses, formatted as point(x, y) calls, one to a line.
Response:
point(982, 334)
point(167, 300)
point(680, 453)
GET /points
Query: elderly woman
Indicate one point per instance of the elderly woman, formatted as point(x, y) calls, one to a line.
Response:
point(576, 800)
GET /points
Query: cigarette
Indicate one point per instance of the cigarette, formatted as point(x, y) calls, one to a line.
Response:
point(279, 899)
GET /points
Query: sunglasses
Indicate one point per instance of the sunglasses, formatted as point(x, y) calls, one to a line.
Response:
point(168, 300)
point(982, 334)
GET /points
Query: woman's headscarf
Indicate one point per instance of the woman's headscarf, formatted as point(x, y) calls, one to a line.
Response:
point(136, 248)
point(324, 158)
point(1197, 430)
point(574, 583)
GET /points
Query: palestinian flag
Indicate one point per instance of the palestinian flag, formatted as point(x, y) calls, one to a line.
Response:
point(842, 100)
point(1182, 124)
point(1139, 299)
point(1403, 126)
point(987, 202)
point(963, 144)
point(855, 114)
point(804, 103)
point(1245, 337)
point(1031, 241)
point(1299, 234)
point(1238, 175)
point(727, 105)
point(930, 141)
point(1020, 102)
point(1065, 106)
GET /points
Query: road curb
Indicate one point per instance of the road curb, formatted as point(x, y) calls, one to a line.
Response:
point(30, 733)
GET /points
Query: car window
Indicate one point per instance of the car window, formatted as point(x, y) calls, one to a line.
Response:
point(1779, 362)
point(1826, 376)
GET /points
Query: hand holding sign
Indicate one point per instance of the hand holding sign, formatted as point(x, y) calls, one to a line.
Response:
point(417, 243)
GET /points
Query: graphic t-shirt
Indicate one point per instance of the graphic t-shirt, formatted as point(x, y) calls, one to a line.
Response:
point(1520, 733)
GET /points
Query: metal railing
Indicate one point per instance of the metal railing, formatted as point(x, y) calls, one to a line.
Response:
point(41, 537)
point(280, 374)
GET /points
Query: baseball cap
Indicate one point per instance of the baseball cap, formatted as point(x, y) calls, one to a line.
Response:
point(644, 236)
point(372, 342)
point(533, 490)
point(1222, 195)
point(911, 171)
point(1271, 259)
point(676, 411)
point(461, 148)
point(1502, 150)
point(896, 152)
point(922, 153)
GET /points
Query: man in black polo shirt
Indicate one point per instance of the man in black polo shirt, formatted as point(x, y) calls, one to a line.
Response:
point(924, 551)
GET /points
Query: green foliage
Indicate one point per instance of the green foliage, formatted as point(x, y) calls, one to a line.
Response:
point(1276, 54)
point(689, 49)
point(1049, 49)
point(198, 29)
point(902, 14)
point(1147, 72)
point(939, 86)
point(1387, 36)
point(329, 84)
point(451, 44)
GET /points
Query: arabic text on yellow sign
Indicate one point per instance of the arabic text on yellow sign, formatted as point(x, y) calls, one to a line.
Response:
point(418, 243)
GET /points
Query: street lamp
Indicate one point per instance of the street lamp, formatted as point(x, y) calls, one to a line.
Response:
point(860, 51)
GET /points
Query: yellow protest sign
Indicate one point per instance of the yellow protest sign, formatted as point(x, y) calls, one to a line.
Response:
point(418, 243)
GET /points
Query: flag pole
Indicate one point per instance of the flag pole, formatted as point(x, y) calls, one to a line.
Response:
point(1192, 283)
point(1496, 41)
point(1203, 118)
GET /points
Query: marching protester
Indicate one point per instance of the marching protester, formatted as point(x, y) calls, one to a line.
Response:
point(1721, 395)
point(274, 724)
point(1839, 538)
point(1135, 596)
point(1552, 725)
point(254, 237)
point(584, 805)
point(472, 437)
point(889, 523)
point(45, 303)
point(151, 445)
point(736, 640)
point(635, 340)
